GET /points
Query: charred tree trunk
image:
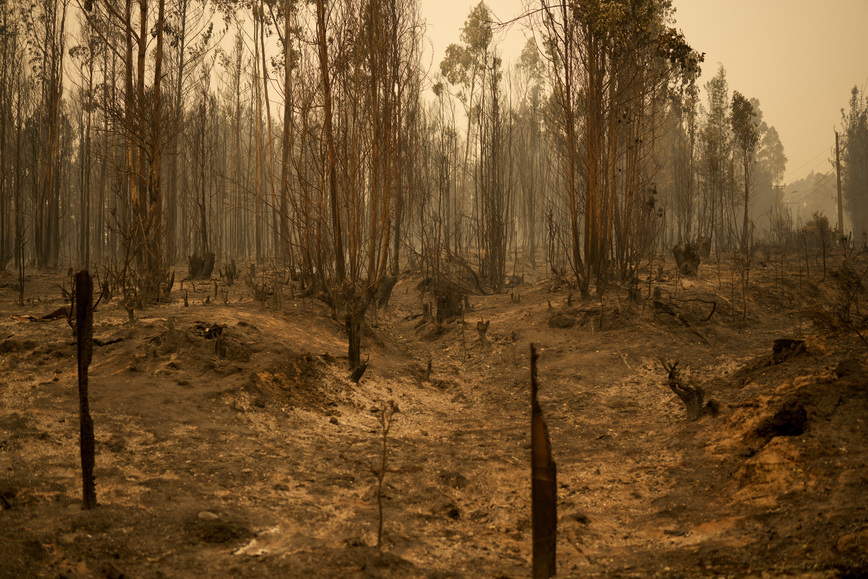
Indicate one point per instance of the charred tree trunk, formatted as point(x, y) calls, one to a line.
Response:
point(84, 335)
point(544, 491)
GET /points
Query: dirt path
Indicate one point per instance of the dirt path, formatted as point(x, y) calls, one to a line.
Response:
point(256, 457)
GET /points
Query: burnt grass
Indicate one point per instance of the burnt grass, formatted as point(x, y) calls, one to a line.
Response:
point(230, 441)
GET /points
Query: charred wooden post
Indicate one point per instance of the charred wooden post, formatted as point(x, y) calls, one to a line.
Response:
point(84, 336)
point(544, 490)
point(354, 338)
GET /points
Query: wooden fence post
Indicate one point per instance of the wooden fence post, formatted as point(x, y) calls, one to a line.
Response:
point(544, 490)
point(84, 336)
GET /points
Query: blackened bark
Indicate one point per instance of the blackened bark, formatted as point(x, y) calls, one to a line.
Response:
point(692, 396)
point(544, 491)
point(84, 335)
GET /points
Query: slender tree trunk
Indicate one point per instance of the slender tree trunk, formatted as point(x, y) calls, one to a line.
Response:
point(257, 179)
point(287, 140)
point(85, 190)
point(274, 203)
point(330, 141)
point(177, 117)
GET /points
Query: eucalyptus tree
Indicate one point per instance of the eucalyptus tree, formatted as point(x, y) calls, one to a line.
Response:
point(11, 59)
point(610, 63)
point(714, 166)
point(362, 90)
point(529, 146)
point(495, 179)
point(189, 27)
point(86, 55)
point(767, 173)
point(47, 37)
point(677, 180)
point(854, 163)
point(747, 139)
point(438, 217)
point(464, 66)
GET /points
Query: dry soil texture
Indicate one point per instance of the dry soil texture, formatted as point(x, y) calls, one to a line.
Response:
point(253, 455)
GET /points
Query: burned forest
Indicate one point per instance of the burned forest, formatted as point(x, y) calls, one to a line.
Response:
point(284, 295)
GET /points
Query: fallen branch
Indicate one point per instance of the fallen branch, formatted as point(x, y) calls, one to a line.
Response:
point(712, 303)
point(670, 309)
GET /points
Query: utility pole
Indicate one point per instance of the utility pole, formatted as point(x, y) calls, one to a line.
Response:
point(838, 171)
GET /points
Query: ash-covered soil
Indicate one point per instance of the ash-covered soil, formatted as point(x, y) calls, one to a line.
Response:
point(230, 441)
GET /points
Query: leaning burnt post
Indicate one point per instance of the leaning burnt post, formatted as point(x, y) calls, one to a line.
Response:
point(84, 337)
point(544, 492)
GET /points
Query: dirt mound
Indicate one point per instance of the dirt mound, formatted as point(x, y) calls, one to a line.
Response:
point(229, 439)
point(296, 381)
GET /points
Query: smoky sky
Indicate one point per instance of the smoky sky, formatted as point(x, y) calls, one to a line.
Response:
point(799, 58)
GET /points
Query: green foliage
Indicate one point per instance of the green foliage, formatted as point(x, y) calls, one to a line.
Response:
point(771, 157)
point(456, 64)
point(476, 33)
point(673, 46)
point(817, 231)
point(464, 61)
point(744, 127)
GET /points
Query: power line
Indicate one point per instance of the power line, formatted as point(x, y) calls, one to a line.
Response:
point(796, 171)
point(813, 188)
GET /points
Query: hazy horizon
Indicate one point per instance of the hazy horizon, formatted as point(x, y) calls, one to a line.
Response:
point(777, 51)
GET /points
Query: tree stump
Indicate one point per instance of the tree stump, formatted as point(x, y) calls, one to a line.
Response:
point(482, 329)
point(686, 259)
point(784, 348)
point(692, 396)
